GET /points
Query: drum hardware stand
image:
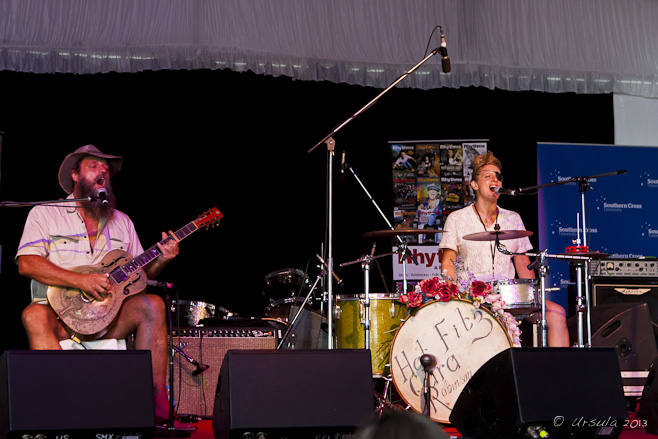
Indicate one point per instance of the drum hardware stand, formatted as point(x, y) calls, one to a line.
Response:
point(582, 269)
point(291, 323)
point(366, 261)
point(384, 399)
point(542, 263)
point(583, 299)
point(428, 361)
point(329, 141)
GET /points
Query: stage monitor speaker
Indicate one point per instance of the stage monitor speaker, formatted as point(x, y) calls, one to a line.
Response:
point(194, 386)
point(648, 408)
point(293, 393)
point(308, 332)
point(626, 291)
point(567, 392)
point(627, 328)
point(76, 394)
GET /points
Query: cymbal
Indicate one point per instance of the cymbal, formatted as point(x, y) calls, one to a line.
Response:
point(501, 234)
point(591, 255)
point(402, 231)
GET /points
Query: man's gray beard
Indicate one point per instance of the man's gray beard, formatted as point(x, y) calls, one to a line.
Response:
point(86, 189)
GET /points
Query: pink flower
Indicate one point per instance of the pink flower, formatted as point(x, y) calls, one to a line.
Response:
point(413, 299)
point(479, 288)
point(497, 306)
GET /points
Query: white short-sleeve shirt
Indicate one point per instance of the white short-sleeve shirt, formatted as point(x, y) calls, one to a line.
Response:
point(477, 255)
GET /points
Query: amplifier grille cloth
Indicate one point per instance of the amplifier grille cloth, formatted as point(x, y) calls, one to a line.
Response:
point(195, 395)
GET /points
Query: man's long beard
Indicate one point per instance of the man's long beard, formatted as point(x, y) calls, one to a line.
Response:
point(85, 188)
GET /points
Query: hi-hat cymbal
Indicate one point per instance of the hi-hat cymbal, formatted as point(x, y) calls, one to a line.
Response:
point(501, 235)
point(401, 231)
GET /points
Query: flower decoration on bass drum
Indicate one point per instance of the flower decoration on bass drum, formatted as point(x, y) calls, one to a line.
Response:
point(444, 289)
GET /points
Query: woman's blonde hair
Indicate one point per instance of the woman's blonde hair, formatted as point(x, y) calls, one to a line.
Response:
point(483, 160)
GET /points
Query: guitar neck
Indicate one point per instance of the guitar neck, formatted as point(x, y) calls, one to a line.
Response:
point(153, 252)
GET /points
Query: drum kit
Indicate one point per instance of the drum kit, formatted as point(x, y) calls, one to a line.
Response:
point(469, 336)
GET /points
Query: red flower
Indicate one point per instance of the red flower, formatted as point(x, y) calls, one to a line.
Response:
point(479, 288)
point(446, 291)
point(412, 299)
point(429, 287)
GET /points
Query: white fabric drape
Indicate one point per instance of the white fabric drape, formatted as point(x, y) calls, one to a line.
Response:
point(635, 121)
point(582, 46)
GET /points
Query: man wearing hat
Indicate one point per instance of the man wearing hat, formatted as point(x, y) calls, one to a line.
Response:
point(80, 233)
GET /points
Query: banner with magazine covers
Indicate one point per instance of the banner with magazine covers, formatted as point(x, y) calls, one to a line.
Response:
point(430, 180)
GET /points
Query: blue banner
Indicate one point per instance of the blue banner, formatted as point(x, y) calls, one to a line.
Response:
point(621, 210)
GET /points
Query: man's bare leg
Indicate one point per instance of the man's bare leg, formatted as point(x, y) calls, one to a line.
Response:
point(44, 330)
point(144, 315)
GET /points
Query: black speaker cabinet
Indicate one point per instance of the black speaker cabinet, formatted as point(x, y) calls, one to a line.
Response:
point(568, 392)
point(194, 387)
point(76, 394)
point(648, 409)
point(627, 291)
point(626, 327)
point(293, 393)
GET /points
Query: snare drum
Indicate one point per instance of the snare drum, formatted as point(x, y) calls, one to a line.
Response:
point(386, 314)
point(460, 336)
point(521, 296)
point(283, 288)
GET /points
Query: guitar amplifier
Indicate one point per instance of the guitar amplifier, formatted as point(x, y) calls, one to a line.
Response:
point(198, 360)
point(626, 290)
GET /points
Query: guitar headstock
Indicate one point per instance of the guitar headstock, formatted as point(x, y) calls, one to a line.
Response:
point(209, 218)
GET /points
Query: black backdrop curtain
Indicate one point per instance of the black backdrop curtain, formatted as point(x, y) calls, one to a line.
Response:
point(196, 139)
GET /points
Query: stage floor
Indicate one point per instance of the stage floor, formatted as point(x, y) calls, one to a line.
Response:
point(205, 431)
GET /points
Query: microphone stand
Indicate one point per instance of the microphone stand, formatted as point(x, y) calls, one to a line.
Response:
point(582, 268)
point(428, 361)
point(49, 202)
point(171, 431)
point(401, 241)
point(199, 367)
point(329, 141)
point(301, 308)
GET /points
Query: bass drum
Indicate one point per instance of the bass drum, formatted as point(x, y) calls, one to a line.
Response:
point(386, 315)
point(460, 336)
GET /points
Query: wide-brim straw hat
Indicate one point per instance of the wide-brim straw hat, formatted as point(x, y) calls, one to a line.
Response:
point(65, 180)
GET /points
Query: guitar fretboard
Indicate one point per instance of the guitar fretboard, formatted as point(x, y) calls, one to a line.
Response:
point(125, 270)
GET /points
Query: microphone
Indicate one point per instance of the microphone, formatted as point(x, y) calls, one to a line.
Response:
point(101, 195)
point(200, 368)
point(428, 361)
point(337, 278)
point(443, 50)
point(159, 284)
point(504, 191)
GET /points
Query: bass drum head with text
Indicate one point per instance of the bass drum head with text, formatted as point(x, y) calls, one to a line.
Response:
point(461, 336)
